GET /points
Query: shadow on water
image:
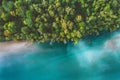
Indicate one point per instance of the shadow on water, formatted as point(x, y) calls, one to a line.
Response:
point(93, 58)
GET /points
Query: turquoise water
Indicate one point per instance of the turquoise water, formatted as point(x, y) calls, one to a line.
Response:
point(93, 58)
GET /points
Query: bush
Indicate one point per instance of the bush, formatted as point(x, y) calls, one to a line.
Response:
point(57, 20)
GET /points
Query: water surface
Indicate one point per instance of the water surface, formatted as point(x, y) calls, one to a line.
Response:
point(94, 58)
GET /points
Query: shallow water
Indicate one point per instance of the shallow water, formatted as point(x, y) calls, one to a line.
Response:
point(94, 58)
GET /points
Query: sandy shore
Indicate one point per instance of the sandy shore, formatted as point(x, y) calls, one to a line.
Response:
point(14, 46)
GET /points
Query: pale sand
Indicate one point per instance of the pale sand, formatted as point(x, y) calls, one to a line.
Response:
point(12, 46)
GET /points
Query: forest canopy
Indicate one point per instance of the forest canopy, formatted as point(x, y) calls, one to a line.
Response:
point(57, 20)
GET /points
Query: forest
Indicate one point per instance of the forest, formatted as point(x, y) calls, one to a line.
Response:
point(57, 20)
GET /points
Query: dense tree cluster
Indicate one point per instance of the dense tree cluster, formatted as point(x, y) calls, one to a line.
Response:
point(57, 20)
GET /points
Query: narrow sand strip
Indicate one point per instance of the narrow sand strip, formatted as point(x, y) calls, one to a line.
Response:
point(11, 46)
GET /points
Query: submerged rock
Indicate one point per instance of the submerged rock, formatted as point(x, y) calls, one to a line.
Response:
point(113, 43)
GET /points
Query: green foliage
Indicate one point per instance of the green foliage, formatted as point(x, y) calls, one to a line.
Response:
point(57, 20)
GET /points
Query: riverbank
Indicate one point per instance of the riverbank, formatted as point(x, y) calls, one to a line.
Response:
point(12, 47)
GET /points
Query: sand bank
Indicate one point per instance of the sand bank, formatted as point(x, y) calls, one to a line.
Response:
point(13, 47)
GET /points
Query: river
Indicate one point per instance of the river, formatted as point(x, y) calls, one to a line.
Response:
point(93, 58)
